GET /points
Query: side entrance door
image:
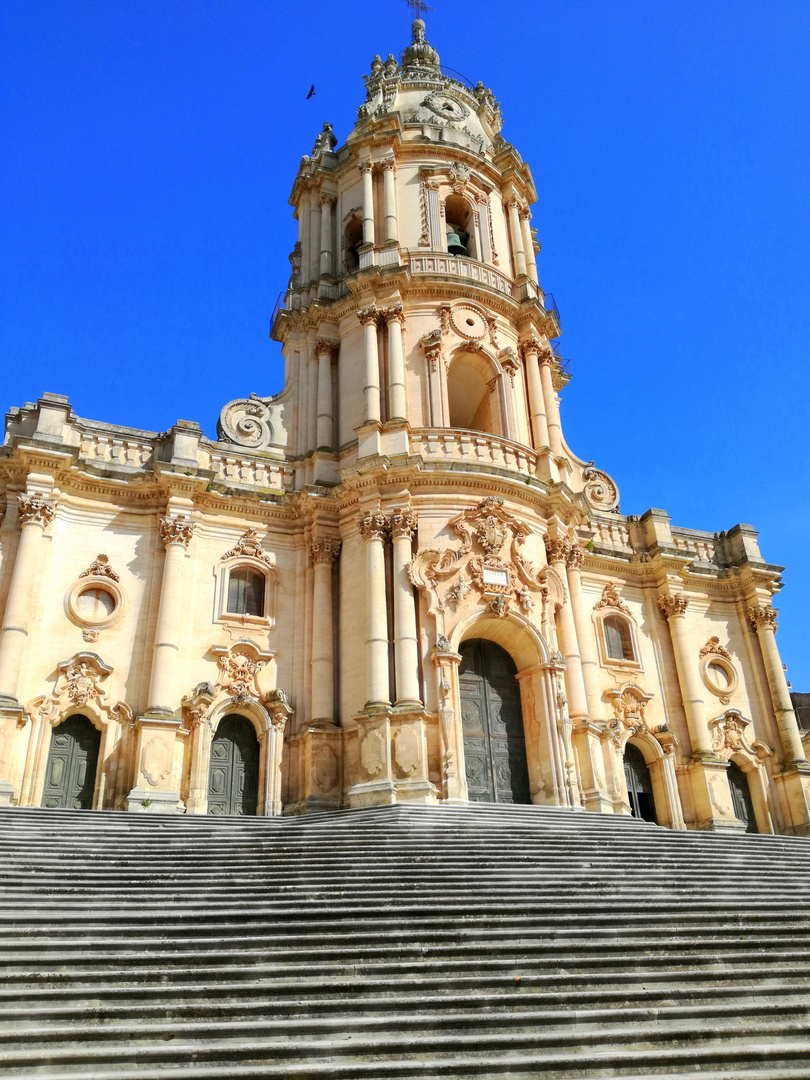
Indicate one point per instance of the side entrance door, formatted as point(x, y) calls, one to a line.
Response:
point(70, 775)
point(741, 796)
point(233, 775)
point(492, 724)
point(639, 784)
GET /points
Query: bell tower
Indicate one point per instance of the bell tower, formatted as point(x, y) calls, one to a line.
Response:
point(414, 303)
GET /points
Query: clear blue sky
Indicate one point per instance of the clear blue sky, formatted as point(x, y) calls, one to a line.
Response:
point(149, 148)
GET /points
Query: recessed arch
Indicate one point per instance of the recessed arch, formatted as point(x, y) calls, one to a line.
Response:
point(474, 402)
point(520, 638)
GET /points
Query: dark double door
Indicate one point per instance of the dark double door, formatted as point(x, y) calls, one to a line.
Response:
point(639, 784)
point(741, 796)
point(233, 774)
point(492, 725)
point(70, 775)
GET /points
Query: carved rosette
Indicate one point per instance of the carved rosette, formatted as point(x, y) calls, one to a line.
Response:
point(763, 617)
point(611, 598)
point(100, 567)
point(246, 422)
point(373, 526)
point(324, 550)
point(249, 545)
point(600, 490)
point(36, 509)
point(672, 606)
point(177, 530)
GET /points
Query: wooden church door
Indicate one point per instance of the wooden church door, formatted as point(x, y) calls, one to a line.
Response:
point(233, 774)
point(741, 796)
point(639, 784)
point(70, 775)
point(492, 725)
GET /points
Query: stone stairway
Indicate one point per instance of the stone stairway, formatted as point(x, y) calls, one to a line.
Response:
point(464, 941)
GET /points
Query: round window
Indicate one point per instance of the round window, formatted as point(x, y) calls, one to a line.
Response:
point(719, 675)
point(95, 604)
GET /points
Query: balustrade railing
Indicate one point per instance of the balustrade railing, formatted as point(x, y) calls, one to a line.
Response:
point(440, 263)
point(476, 447)
point(115, 451)
point(255, 472)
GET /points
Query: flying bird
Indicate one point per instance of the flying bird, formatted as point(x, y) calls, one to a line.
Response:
point(311, 91)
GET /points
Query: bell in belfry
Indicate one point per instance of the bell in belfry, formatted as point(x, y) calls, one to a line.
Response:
point(456, 241)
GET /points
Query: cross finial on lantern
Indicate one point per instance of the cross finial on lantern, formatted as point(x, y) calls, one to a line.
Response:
point(419, 7)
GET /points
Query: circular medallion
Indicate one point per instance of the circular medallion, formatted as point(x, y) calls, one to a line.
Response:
point(468, 322)
point(446, 107)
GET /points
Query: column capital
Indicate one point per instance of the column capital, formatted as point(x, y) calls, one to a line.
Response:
point(324, 550)
point(575, 557)
point(513, 203)
point(395, 313)
point(530, 344)
point(176, 530)
point(327, 198)
point(324, 346)
point(368, 314)
point(389, 165)
point(36, 509)
point(373, 526)
point(557, 548)
point(402, 523)
point(366, 166)
point(672, 606)
point(763, 616)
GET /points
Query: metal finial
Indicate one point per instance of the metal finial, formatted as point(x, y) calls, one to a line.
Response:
point(419, 7)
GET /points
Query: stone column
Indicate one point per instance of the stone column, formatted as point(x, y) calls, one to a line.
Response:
point(314, 236)
point(327, 201)
point(36, 512)
point(557, 551)
point(323, 552)
point(273, 747)
point(763, 619)
point(537, 406)
point(312, 395)
point(305, 236)
point(176, 533)
point(324, 435)
point(546, 358)
point(674, 608)
point(528, 244)
point(373, 528)
point(516, 237)
point(432, 347)
point(390, 191)
point(395, 317)
point(371, 390)
point(368, 202)
point(584, 630)
point(406, 655)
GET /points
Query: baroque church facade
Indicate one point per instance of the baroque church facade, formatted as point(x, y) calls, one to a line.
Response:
point(393, 580)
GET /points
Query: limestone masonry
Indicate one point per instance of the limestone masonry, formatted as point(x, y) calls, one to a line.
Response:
point(392, 581)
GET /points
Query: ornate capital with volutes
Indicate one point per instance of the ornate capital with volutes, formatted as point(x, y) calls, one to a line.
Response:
point(575, 557)
point(324, 550)
point(366, 166)
point(671, 606)
point(394, 313)
point(36, 509)
point(176, 530)
point(530, 346)
point(373, 526)
point(327, 198)
point(389, 166)
point(368, 315)
point(557, 549)
point(326, 346)
point(763, 616)
point(402, 523)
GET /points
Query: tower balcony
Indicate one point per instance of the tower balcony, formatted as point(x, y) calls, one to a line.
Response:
point(473, 449)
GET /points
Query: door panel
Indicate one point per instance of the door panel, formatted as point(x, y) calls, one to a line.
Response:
point(492, 725)
point(741, 796)
point(70, 775)
point(639, 784)
point(233, 775)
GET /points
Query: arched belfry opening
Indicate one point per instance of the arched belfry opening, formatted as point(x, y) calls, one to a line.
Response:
point(460, 227)
point(492, 724)
point(472, 394)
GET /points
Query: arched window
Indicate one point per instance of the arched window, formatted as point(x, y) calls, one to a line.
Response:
point(471, 396)
point(460, 227)
point(618, 638)
point(352, 240)
point(246, 588)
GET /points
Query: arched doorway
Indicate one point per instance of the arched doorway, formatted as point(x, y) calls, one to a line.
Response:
point(492, 724)
point(741, 796)
point(70, 775)
point(233, 773)
point(639, 784)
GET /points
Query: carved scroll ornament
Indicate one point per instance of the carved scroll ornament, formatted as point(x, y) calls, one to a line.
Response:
point(246, 422)
point(600, 489)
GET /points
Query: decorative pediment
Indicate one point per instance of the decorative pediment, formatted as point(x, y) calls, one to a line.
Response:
point(100, 567)
point(249, 545)
point(490, 563)
point(733, 734)
point(79, 686)
point(611, 599)
point(239, 666)
point(714, 648)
